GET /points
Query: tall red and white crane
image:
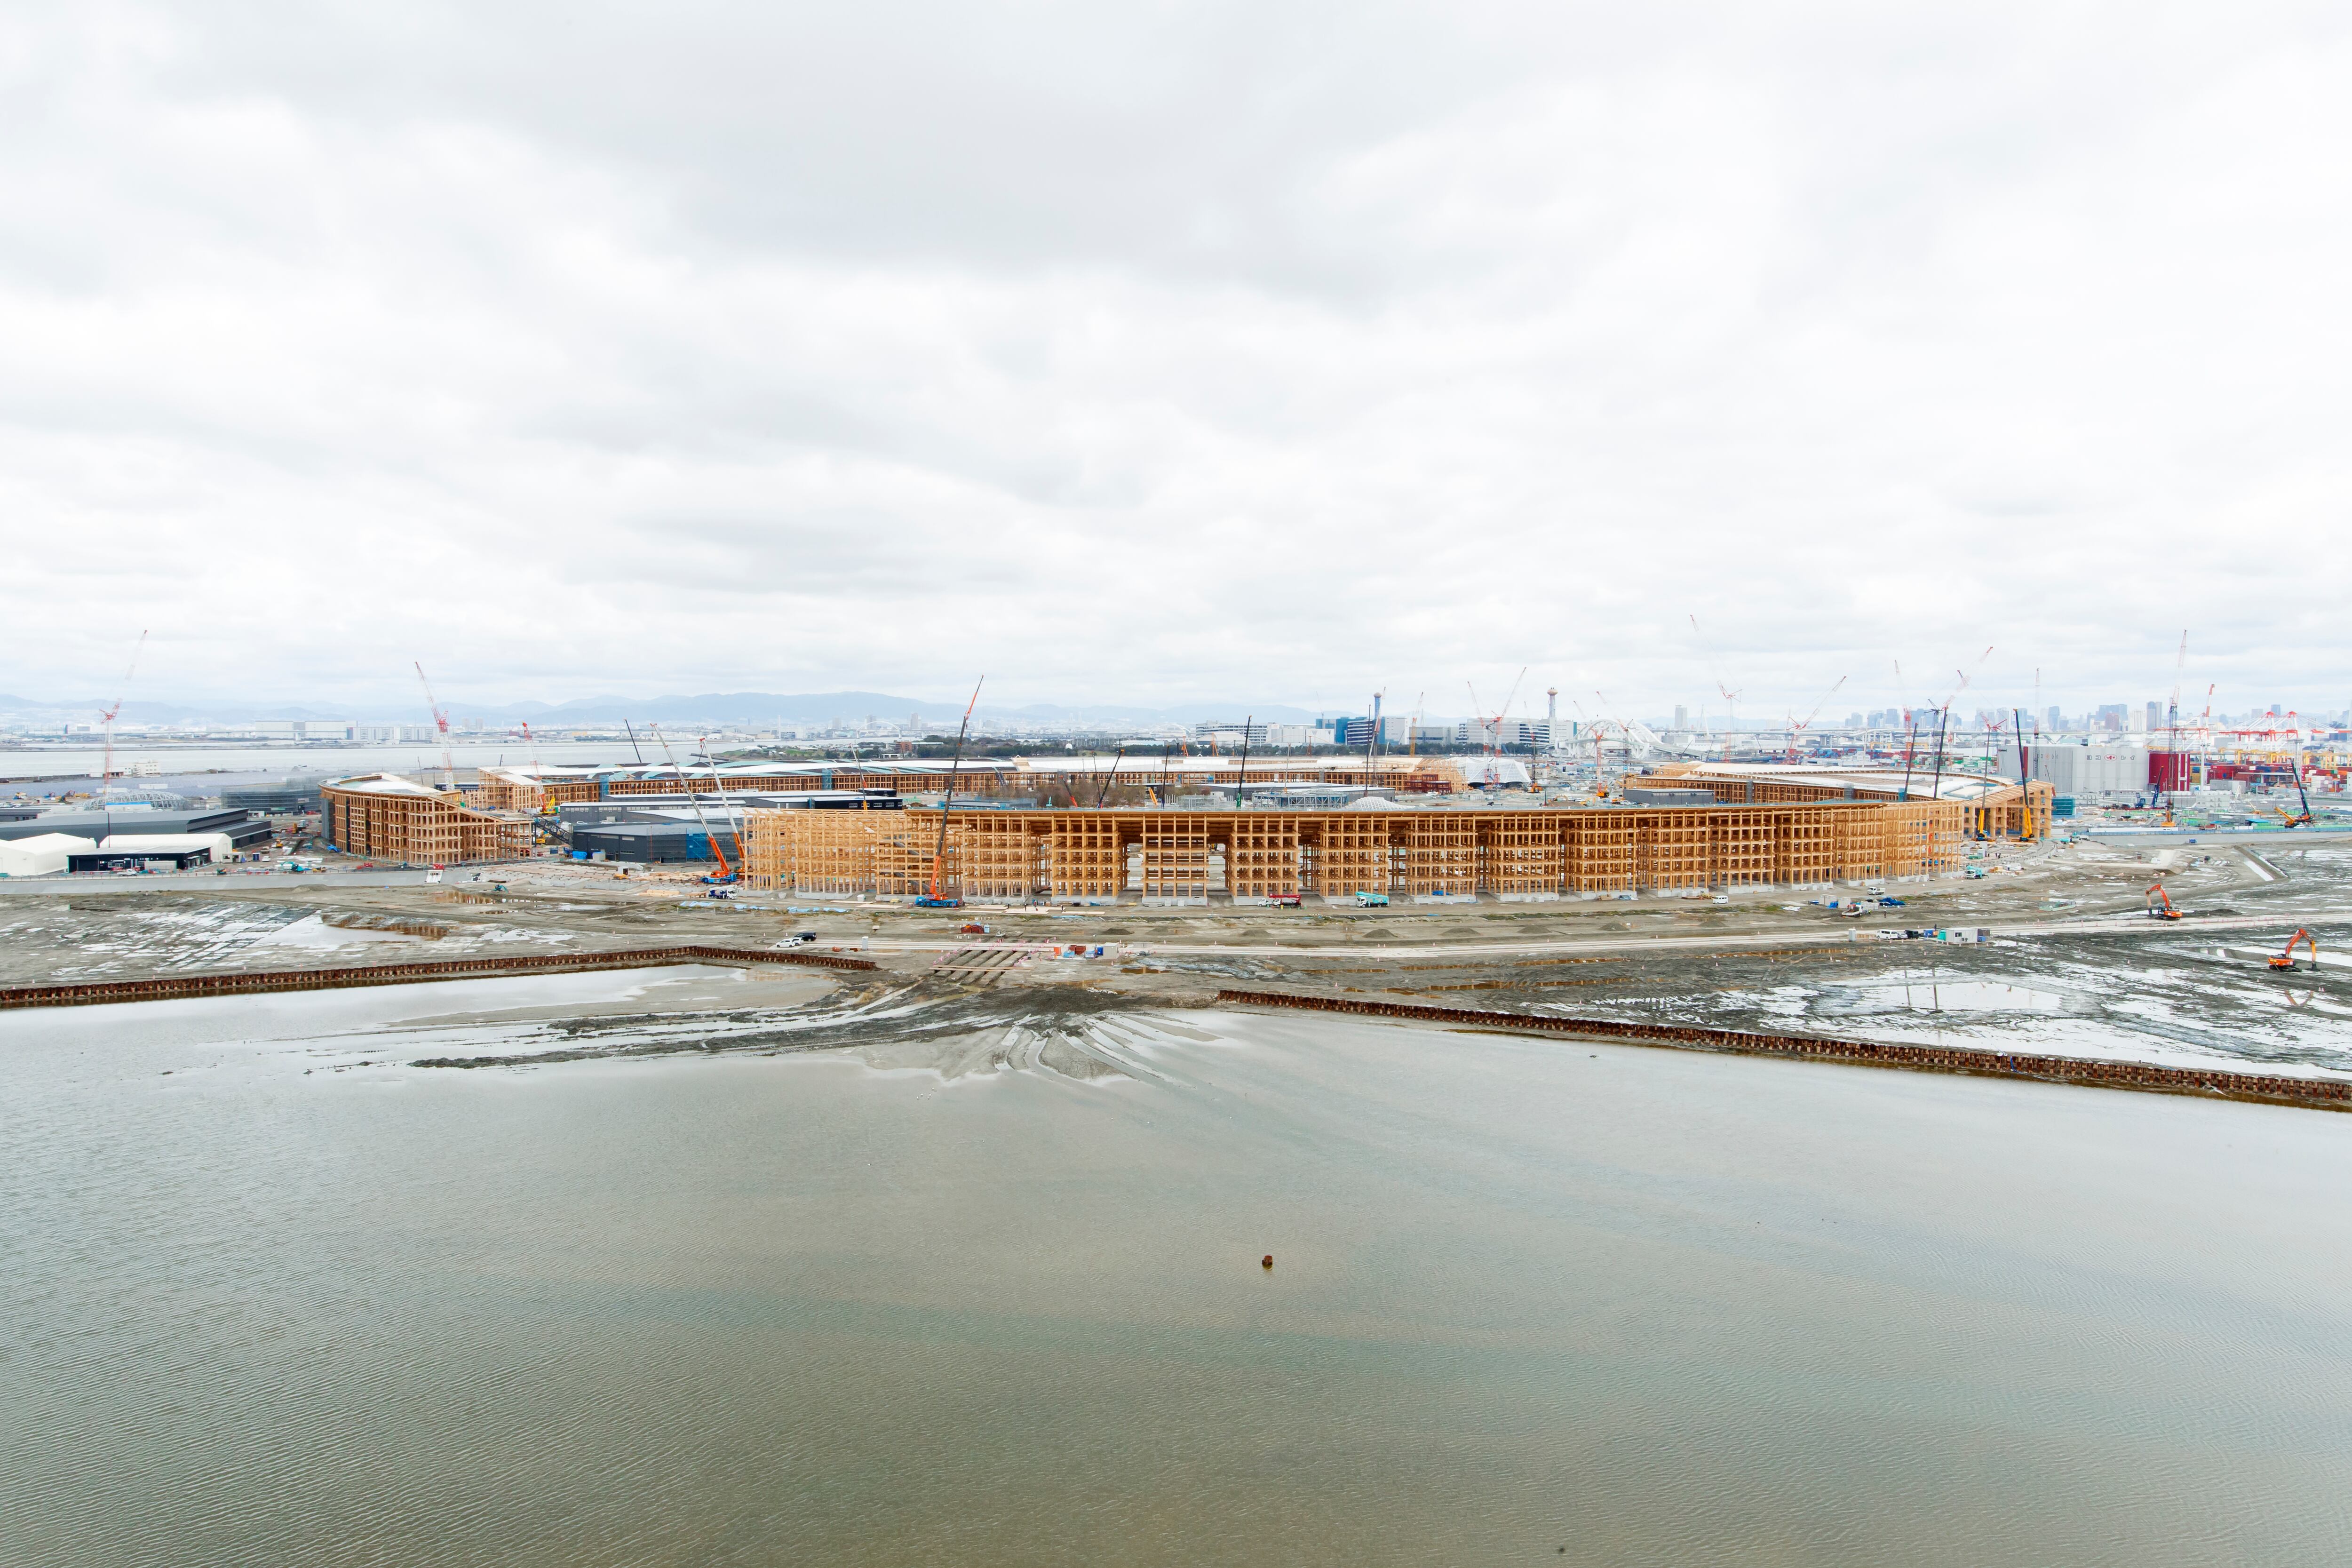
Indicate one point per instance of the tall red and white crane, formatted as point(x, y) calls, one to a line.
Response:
point(1494, 725)
point(441, 723)
point(105, 768)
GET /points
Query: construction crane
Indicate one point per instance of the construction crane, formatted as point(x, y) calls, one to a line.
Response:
point(1110, 776)
point(1796, 726)
point(2024, 780)
point(1715, 673)
point(725, 872)
point(2172, 709)
point(105, 767)
point(441, 723)
point(537, 774)
point(2159, 903)
point(1494, 727)
point(2285, 957)
point(2303, 820)
point(938, 900)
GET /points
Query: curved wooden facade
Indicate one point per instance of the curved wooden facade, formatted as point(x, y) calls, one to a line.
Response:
point(392, 819)
point(1188, 855)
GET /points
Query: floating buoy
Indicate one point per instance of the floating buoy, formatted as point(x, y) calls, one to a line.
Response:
point(1270, 1261)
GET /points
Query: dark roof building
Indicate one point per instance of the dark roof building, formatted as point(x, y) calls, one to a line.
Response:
point(241, 828)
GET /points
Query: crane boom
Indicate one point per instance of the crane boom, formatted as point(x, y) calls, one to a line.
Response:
point(1795, 726)
point(106, 765)
point(441, 724)
point(2172, 709)
point(947, 800)
point(726, 873)
point(1715, 673)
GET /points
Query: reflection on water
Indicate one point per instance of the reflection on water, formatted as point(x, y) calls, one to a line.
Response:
point(1532, 1301)
point(1938, 995)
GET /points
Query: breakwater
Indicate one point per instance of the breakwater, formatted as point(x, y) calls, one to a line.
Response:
point(2322, 1094)
point(256, 982)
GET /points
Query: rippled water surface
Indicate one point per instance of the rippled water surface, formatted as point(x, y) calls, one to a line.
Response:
point(1532, 1301)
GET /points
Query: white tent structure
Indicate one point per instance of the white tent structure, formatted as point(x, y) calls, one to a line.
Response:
point(43, 855)
point(166, 845)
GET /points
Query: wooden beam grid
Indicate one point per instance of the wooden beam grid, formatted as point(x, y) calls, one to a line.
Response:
point(1599, 852)
point(997, 849)
point(1437, 852)
point(1351, 855)
point(1175, 856)
point(1523, 854)
point(1743, 847)
point(420, 829)
point(1804, 853)
point(1262, 857)
point(1086, 854)
point(1674, 852)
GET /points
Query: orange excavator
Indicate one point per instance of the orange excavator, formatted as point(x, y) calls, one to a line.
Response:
point(2286, 960)
point(2159, 903)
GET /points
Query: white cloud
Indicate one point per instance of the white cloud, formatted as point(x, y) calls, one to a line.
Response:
point(1144, 356)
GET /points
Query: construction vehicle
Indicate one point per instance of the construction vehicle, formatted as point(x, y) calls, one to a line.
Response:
point(1370, 901)
point(2304, 819)
point(2159, 903)
point(2285, 957)
point(718, 851)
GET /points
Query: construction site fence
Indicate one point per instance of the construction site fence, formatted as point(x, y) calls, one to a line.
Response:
point(2325, 1094)
point(257, 982)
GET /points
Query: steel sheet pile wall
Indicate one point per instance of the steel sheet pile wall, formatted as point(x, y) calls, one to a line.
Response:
point(2328, 1094)
point(1165, 855)
point(249, 983)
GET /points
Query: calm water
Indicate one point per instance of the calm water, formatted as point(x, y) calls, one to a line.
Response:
point(1654, 1309)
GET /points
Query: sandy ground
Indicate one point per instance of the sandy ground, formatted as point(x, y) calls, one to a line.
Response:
point(2073, 965)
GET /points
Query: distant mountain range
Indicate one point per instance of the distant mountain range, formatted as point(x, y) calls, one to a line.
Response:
point(715, 708)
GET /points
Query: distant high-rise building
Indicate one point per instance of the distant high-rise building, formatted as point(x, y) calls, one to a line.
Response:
point(2054, 719)
point(2156, 716)
point(1682, 716)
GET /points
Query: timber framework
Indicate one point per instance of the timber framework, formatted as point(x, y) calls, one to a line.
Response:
point(1179, 856)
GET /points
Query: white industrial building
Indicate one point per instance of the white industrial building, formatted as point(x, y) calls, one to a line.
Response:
point(2086, 773)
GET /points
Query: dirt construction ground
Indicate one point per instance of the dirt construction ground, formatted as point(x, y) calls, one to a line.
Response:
point(2069, 962)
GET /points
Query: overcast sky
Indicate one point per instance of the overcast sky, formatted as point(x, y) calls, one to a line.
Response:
point(1153, 354)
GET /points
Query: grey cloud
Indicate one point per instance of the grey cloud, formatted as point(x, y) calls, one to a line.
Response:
point(1295, 351)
